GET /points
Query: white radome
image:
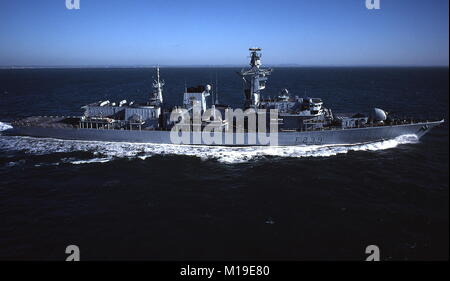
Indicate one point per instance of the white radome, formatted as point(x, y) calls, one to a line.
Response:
point(378, 114)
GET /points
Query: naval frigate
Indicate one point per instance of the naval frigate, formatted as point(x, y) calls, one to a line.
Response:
point(295, 120)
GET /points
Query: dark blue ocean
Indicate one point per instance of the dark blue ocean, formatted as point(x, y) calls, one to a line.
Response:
point(121, 201)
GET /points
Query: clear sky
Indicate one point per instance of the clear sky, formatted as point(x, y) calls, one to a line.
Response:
point(209, 32)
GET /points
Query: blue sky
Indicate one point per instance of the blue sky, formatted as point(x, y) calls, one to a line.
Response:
point(201, 32)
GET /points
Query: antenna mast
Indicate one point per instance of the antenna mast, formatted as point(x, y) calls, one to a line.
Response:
point(217, 90)
point(158, 84)
point(254, 79)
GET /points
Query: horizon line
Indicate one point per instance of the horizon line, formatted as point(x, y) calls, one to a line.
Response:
point(211, 66)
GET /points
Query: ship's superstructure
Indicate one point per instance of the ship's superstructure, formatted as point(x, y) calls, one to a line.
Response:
point(295, 113)
point(126, 115)
point(299, 120)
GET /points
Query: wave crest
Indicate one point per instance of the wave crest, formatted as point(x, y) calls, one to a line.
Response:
point(4, 126)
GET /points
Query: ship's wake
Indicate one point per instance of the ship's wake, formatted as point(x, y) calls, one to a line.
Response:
point(108, 151)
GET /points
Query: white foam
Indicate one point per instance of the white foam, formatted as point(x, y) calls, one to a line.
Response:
point(4, 126)
point(107, 151)
point(93, 160)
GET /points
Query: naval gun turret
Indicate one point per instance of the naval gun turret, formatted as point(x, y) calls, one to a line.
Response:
point(254, 79)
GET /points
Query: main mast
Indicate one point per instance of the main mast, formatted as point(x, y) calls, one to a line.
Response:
point(157, 97)
point(254, 79)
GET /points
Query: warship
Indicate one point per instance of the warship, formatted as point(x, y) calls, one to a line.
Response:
point(285, 120)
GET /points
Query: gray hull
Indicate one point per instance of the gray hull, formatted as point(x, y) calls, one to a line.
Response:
point(323, 137)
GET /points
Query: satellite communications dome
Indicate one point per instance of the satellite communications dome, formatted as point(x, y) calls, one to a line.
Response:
point(378, 114)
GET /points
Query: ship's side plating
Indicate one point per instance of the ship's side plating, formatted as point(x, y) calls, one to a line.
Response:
point(325, 137)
